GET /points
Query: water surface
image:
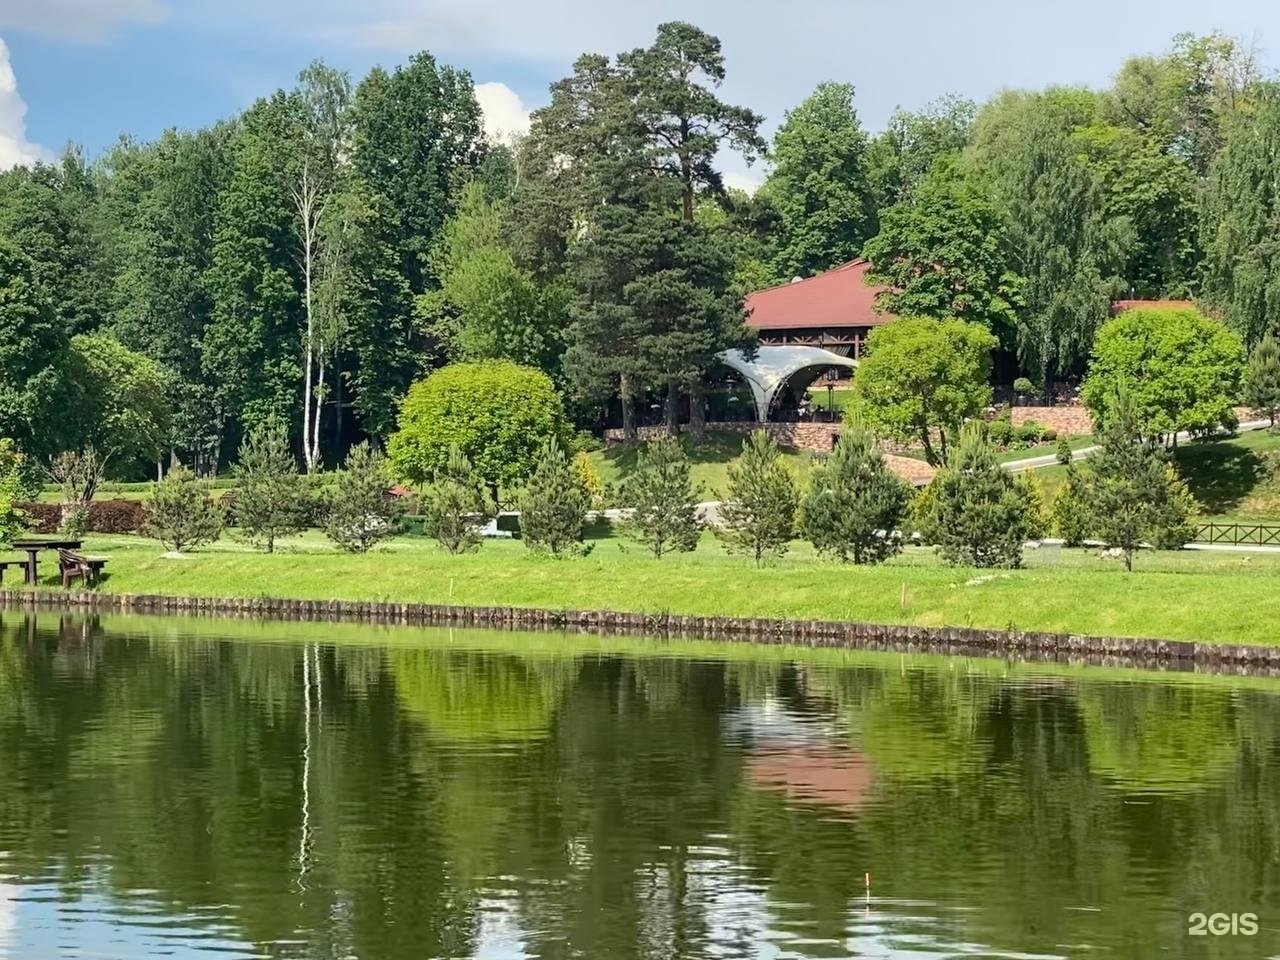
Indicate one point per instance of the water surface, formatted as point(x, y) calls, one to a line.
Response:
point(203, 788)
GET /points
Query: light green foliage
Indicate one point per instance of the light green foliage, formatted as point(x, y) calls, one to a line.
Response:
point(1023, 387)
point(1180, 369)
point(942, 253)
point(758, 515)
point(497, 413)
point(456, 503)
point(1069, 513)
point(554, 505)
point(664, 499)
point(912, 142)
point(488, 307)
point(18, 483)
point(979, 514)
point(271, 499)
point(180, 512)
point(819, 183)
point(588, 477)
point(922, 378)
point(1132, 493)
point(125, 399)
point(359, 512)
point(1037, 517)
point(855, 504)
point(1064, 453)
point(1262, 378)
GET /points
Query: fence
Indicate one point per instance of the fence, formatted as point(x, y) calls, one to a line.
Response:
point(1255, 534)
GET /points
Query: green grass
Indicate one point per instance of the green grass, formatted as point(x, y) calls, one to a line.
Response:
point(1189, 596)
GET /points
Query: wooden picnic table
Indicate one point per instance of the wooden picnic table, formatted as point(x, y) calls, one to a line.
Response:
point(33, 546)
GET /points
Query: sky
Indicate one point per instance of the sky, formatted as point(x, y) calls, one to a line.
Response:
point(86, 71)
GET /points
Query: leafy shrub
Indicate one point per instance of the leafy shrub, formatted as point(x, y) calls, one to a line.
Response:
point(1023, 387)
point(358, 510)
point(41, 518)
point(115, 516)
point(589, 479)
point(1029, 432)
point(1000, 432)
point(1048, 435)
point(1064, 454)
point(180, 513)
point(17, 483)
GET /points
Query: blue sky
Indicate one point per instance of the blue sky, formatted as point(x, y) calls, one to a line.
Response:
point(88, 70)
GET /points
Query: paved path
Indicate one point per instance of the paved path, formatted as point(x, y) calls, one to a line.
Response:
point(1049, 459)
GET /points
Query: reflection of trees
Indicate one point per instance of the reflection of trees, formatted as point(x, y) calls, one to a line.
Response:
point(603, 801)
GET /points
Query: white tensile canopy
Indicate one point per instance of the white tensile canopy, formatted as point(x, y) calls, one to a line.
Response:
point(775, 367)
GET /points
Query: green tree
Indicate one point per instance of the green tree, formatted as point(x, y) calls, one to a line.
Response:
point(180, 513)
point(854, 505)
point(1240, 278)
point(819, 183)
point(664, 499)
point(360, 512)
point(1069, 512)
point(941, 252)
point(900, 157)
point(455, 503)
point(1262, 378)
point(499, 414)
point(1180, 369)
point(34, 357)
point(1132, 494)
point(553, 507)
point(18, 484)
point(758, 515)
point(271, 499)
point(125, 397)
point(921, 379)
point(979, 514)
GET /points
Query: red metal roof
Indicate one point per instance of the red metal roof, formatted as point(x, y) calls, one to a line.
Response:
point(1120, 306)
point(838, 298)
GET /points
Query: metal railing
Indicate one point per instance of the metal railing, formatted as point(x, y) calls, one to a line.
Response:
point(1255, 534)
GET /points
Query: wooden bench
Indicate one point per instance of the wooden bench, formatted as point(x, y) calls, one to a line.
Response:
point(6, 564)
point(75, 565)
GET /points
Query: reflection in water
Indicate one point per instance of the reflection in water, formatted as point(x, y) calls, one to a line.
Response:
point(177, 788)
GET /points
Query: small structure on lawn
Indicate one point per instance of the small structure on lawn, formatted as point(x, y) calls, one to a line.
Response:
point(775, 370)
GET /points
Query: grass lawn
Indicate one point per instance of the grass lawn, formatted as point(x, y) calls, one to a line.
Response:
point(1187, 596)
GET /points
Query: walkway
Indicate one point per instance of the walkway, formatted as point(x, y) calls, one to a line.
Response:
point(1050, 459)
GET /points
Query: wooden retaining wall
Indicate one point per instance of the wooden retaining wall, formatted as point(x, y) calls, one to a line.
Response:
point(964, 641)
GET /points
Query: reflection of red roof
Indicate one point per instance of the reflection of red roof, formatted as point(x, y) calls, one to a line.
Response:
point(828, 775)
point(838, 298)
point(1120, 306)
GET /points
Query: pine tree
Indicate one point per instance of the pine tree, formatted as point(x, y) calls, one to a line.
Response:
point(360, 514)
point(1069, 514)
point(1262, 378)
point(180, 513)
point(271, 499)
point(979, 515)
point(664, 498)
point(759, 516)
point(455, 502)
point(1132, 493)
point(855, 503)
point(554, 506)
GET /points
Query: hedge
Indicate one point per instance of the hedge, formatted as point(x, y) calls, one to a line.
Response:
point(105, 516)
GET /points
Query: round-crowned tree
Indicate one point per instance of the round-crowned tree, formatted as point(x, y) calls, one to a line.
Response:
point(498, 414)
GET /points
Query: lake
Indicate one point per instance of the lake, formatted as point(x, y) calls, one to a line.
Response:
point(199, 787)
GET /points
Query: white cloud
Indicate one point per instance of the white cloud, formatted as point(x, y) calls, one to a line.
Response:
point(15, 149)
point(81, 20)
point(505, 115)
point(749, 180)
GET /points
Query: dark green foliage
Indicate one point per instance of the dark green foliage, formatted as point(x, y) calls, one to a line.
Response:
point(456, 503)
point(758, 516)
point(902, 156)
point(180, 514)
point(1132, 492)
point(664, 499)
point(979, 514)
point(359, 509)
point(1262, 378)
point(1064, 453)
point(271, 499)
point(943, 255)
point(553, 508)
point(922, 378)
point(1180, 370)
point(497, 413)
point(819, 184)
point(855, 504)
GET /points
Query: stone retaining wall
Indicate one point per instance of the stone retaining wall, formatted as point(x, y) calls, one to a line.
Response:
point(967, 641)
point(1067, 420)
point(811, 436)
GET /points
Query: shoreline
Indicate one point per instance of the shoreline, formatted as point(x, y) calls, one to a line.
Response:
point(1087, 649)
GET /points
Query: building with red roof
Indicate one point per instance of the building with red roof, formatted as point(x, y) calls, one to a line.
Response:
point(835, 310)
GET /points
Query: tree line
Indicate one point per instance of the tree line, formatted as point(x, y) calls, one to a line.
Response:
point(307, 261)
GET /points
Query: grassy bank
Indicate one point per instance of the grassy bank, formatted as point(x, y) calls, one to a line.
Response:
point(1184, 596)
